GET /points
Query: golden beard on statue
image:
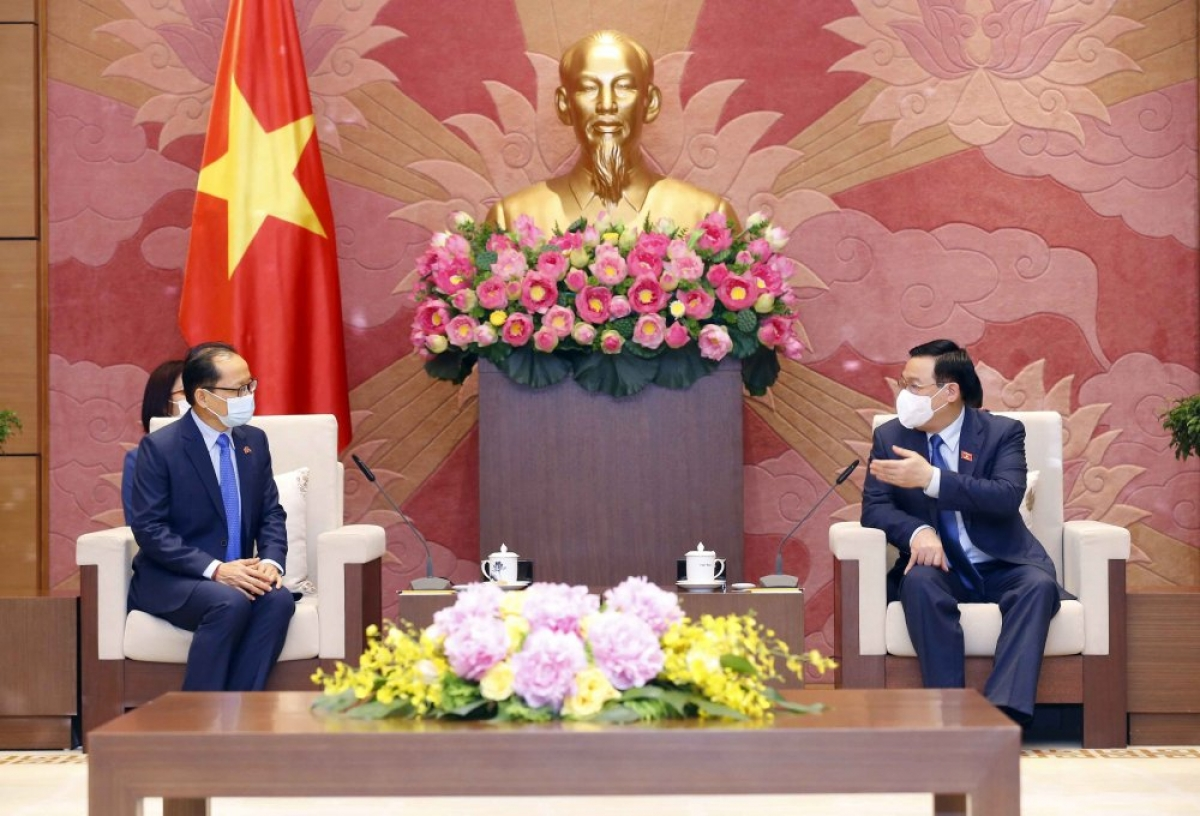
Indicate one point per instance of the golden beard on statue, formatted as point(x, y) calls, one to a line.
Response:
point(607, 94)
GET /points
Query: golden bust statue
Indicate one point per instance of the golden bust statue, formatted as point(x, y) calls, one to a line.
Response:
point(607, 94)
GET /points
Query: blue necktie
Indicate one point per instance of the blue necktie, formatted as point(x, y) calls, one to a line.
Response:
point(229, 498)
point(948, 526)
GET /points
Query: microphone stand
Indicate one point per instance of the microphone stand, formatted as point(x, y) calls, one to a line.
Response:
point(429, 581)
point(778, 580)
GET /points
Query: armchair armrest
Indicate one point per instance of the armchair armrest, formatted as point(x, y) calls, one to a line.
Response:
point(349, 544)
point(850, 541)
point(1088, 547)
point(111, 552)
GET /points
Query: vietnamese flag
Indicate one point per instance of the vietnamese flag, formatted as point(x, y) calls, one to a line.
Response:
point(262, 262)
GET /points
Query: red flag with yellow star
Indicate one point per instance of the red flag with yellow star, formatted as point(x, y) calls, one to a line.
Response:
point(262, 261)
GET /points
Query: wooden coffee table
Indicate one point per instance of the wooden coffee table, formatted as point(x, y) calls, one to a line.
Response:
point(189, 747)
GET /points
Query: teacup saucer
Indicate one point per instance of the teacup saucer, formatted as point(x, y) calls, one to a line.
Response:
point(699, 586)
point(511, 585)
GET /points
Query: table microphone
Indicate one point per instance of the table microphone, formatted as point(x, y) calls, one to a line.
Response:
point(429, 581)
point(779, 580)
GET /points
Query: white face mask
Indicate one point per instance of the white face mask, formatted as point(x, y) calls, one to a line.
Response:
point(238, 410)
point(913, 410)
point(181, 407)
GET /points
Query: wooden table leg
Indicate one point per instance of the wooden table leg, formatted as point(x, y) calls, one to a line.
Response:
point(185, 807)
point(949, 804)
point(108, 794)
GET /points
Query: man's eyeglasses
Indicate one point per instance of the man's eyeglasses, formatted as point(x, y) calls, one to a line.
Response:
point(241, 390)
point(917, 388)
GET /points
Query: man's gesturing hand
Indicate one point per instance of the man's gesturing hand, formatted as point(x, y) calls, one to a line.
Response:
point(910, 470)
point(245, 575)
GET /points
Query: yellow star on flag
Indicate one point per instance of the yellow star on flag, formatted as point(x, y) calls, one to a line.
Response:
point(257, 176)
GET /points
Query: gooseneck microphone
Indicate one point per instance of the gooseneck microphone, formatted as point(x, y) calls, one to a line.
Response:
point(429, 581)
point(779, 580)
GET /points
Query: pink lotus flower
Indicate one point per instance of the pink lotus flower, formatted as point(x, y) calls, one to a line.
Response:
point(793, 348)
point(644, 264)
point(609, 267)
point(432, 316)
point(512, 289)
point(594, 304)
point(544, 339)
point(485, 335)
point(717, 275)
point(678, 336)
point(528, 232)
point(774, 330)
point(737, 292)
point(568, 241)
point(576, 279)
point(759, 248)
point(767, 279)
point(559, 320)
point(553, 264)
point(625, 648)
point(491, 294)
point(620, 306)
point(649, 331)
point(642, 599)
point(717, 235)
point(715, 342)
point(510, 264)
point(745, 258)
point(461, 330)
point(677, 248)
point(687, 266)
point(539, 292)
point(698, 303)
point(499, 242)
point(518, 328)
point(457, 246)
point(545, 668)
point(653, 243)
point(647, 296)
point(558, 607)
point(583, 333)
point(433, 259)
point(465, 300)
point(611, 341)
point(476, 645)
point(591, 236)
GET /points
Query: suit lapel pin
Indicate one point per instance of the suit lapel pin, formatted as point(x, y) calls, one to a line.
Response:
point(246, 450)
point(967, 456)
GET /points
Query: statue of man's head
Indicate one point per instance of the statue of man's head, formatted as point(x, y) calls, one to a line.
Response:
point(607, 94)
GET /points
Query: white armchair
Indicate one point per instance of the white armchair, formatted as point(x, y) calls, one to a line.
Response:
point(129, 658)
point(1085, 651)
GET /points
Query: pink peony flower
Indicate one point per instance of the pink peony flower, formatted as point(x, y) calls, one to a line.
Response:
point(485, 335)
point(545, 668)
point(432, 316)
point(698, 303)
point(611, 341)
point(559, 320)
point(642, 599)
point(716, 233)
point(553, 264)
point(650, 330)
point(544, 339)
point(510, 264)
point(499, 242)
point(620, 306)
point(528, 232)
point(678, 336)
point(687, 266)
point(583, 333)
point(476, 645)
point(576, 279)
point(465, 300)
point(518, 328)
point(646, 296)
point(774, 330)
point(717, 275)
point(491, 294)
point(558, 607)
point(594, 304)
point(625, 648)
point(737, 292)
point(538, 292)
point(477, 600)
point(715, 342)
point(609, 267)
point(461, 330)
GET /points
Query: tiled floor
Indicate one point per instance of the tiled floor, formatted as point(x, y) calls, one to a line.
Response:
point(1137, 782)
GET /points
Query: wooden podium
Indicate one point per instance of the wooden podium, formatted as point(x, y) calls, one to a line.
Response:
point(595, 489)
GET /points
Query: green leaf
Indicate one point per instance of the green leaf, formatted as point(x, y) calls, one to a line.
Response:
point(375, 710)
point(578, 225)
point(744, 344)
point(452, 364)
point(738, 664)
point(528, 366)
point(618, 375)
point(617, 713)
point(798, 708)
point(718, 710)
point(466, 710)
point(760, 371)
point(335, 702)
point(485, 259)
point(679, 368)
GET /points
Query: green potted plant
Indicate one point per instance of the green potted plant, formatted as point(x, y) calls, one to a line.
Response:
point(1182, 421)
point(10, 424)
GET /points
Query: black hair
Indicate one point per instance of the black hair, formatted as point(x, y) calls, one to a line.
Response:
point(156, 399)
point(200, 367)
point(951, 363)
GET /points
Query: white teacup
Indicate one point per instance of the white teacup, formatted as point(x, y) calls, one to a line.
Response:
point(500, 566)
point(703, 566)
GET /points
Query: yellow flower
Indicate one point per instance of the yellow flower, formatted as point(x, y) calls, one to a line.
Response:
point(579, 258)
point(592, 691)
point(497, 683)
point(498, 317)
point(512, 604)
point(611, 237)
point(517, 628)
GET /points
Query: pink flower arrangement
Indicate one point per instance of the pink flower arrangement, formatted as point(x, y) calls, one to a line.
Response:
point(663, 296)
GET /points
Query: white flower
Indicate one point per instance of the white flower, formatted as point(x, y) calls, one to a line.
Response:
point(756, 219)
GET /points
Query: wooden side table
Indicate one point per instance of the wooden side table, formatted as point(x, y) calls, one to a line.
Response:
point(39, 671)
point(1164, 662)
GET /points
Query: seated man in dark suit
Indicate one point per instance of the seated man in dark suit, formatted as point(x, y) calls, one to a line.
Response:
point(204, 503)
point(945, 484)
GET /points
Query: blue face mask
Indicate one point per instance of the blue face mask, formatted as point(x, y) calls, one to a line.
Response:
point(238, 410)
